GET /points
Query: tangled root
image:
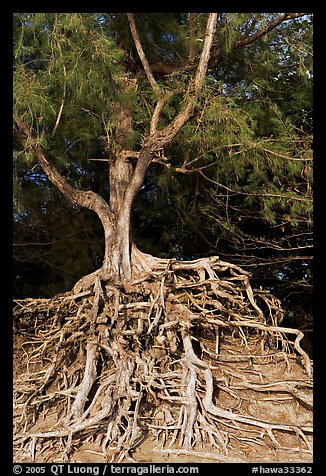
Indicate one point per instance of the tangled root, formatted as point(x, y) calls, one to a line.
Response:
point(179, 354)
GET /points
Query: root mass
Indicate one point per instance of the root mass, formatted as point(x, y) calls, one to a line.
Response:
point(187, 354)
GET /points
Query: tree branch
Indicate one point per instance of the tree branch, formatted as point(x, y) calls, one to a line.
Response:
point(259, 34)
point(205, 54)
point(141, 54)
point(159, 139)
point(145, 158)
point(258, 194)
point(191, 55)
point(169, 132)
point(166, 69)
point(87, 199)
point(157, 112)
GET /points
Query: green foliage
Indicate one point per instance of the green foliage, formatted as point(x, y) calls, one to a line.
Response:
point(67, 74)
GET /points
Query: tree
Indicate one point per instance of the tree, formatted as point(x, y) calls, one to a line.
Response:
point(96, 87)
point(124, 181)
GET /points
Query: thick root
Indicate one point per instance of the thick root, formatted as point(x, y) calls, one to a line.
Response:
point(185, 353)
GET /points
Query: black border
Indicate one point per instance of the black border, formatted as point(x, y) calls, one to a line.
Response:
point(6, 347)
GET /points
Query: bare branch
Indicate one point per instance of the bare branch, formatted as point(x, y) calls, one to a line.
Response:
point(289, 197)
point(159, 139)
point(169, 132)
point(157, 112)
point(259, 34)
point(87, 199)
point(141, 54)
point(143, 162)
point(205, 54)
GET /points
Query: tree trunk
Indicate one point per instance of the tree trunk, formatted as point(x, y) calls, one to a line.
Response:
point(116, 262)
point(125, 183)
point(118, 244)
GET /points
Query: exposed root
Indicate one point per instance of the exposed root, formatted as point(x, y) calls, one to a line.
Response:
point(181, 353)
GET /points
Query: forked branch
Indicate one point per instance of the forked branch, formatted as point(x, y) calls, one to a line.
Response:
point(156, 141)
point(164, 137)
